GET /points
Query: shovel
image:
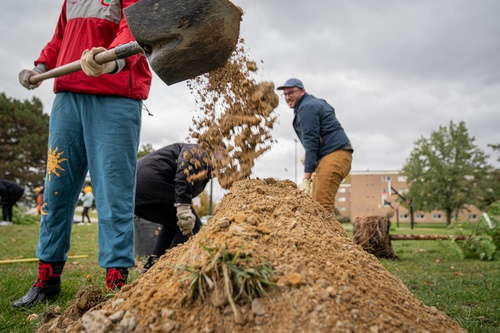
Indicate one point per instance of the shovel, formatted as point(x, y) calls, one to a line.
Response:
point(180, 38)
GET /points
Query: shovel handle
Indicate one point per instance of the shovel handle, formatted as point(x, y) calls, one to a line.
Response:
point(119, 52)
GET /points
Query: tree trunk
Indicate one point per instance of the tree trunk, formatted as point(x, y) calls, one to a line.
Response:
point(372, 234)
point(448, 216)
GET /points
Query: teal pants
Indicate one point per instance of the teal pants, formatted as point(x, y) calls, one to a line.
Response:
point(100, 135)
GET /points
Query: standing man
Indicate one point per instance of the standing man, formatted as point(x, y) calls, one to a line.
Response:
point(328, 149)
point(10, 193)
point(168, 180)
point(94, 126)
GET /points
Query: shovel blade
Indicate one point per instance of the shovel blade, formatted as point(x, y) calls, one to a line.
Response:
point(184, 38)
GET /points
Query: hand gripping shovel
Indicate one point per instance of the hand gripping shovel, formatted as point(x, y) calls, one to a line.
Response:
point(180, 38)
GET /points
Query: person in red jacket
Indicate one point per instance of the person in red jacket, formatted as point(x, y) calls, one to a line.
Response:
point(94, 127)
point(39, 199)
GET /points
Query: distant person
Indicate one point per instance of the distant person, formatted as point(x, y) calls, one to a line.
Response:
point(95, 127)
point(328, 149)
point(10, 193)
point(165, 192)
point(39, 200)
point(87, 201)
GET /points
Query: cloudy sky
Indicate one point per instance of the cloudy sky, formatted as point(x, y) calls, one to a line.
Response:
point(394, 70)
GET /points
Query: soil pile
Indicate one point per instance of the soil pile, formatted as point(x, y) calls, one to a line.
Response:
point(324, 282)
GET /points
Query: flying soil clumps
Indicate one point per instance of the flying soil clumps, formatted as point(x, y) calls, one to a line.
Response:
point(322, 281)
point(235, 116)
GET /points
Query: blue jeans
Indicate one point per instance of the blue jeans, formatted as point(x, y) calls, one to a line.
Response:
point(99, 134)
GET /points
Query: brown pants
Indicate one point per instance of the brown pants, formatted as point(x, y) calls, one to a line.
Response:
point(329, 173)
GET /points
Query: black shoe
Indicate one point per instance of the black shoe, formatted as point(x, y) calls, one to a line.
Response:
point(151, 261)
point(116, 278)
point(47, 286)
point(37, 294)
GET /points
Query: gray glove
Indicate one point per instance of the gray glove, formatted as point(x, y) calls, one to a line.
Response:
point(91, 67)
point(186, 218)
point(25, 74)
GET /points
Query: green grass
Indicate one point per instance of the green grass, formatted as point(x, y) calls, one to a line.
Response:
point(466, 290)
point(19, 242)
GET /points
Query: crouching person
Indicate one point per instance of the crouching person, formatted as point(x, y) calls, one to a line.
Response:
point(167, 181)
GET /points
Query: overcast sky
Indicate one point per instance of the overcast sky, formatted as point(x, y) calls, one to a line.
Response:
point(393, 70)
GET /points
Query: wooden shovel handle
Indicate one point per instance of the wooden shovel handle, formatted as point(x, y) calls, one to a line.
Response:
point(119, 52)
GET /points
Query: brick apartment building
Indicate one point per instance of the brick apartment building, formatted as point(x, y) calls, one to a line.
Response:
point(368, 193)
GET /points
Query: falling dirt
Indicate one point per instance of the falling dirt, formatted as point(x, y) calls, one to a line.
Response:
point(234, 116)
point(323, 281)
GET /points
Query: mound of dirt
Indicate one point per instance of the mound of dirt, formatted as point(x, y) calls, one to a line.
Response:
point(323, 281)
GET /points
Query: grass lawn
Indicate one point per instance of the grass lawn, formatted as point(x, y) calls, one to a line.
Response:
point(467, 290)
point(19, 242)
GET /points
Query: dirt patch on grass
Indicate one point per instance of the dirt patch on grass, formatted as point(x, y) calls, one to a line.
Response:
point(323, 281)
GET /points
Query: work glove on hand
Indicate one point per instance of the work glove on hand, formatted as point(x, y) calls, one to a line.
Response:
point(186, 218)
point(306, 185)
point(25, 74)
point(91, 67)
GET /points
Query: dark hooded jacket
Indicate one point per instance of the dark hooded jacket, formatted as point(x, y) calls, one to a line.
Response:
point(10, 192)
point(162, 176)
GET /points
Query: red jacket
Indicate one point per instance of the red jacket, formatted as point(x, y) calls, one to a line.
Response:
point(86, 24)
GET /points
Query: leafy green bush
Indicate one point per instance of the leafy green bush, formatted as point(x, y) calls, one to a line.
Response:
point(477, 247)
point(481, 241)
point(494, 216)
point(18, 217)
point(343, 219)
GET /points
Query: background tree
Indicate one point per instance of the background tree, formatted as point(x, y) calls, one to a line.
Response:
point(145, 150)
point(446, 171)
point(492, 187)
point(23, 141)
point(496, 148)
point(204, 207)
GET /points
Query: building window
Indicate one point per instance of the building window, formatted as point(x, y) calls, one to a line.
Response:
point(341, 199)
point(342, 190)
point(437, 216)
point(386, 178)
point(403, 216)
point(402, 179)
point(420, 216)
point(472, 217)
point(341, 208)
